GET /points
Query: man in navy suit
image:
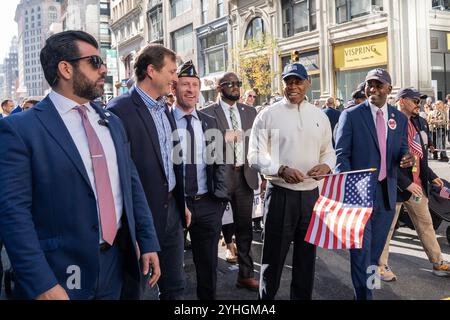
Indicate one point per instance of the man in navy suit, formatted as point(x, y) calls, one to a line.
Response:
point(332, 113)
point(73, 218)
point(204, 177)
point(149, 125)
point(373, 135)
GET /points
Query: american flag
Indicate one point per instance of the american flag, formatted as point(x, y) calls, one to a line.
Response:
point(445, 193)
point(414, 141)
point(342, 211)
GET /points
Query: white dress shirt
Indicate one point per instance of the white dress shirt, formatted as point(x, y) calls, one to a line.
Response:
point(72, 120)
point(385, 110)
point(226, 109)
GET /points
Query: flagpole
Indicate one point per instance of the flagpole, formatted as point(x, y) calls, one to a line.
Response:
point(336, 174)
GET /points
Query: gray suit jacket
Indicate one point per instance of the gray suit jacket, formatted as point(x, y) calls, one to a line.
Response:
point(247, 115)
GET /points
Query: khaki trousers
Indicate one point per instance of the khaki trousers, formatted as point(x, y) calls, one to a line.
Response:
point(421, 218)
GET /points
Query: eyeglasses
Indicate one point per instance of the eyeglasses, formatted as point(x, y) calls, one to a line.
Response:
point(95, 61)
point(251, 96)
point(415, 101)
point(231, 84)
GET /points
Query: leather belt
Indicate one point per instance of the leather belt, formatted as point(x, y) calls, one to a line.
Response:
point(237, 169)
point(197, 198)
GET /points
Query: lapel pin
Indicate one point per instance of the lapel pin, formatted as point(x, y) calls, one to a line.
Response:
point(392, 115)
point(392, 124)
point(107, 114)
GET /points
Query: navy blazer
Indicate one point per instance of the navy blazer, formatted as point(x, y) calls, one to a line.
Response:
point(146, 153)
point(333, 115)
point(48, 216)
point(357, 144)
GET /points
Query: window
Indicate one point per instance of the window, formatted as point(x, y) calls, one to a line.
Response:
point(154, 17)
point(213, 48)
point(52, 14)
point(298, 16)
point(441, 4)
point(204, 11)
point(255, 30)
point(182, 39)
point(104, 9)
point(104, 28)
point(220, 9)
point(177, 7)
point(347, 10)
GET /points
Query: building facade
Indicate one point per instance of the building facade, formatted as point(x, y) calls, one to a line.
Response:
point(127, 26)
point(11, 71)
point(340, 40)
point(92, 16)
point(33, 18)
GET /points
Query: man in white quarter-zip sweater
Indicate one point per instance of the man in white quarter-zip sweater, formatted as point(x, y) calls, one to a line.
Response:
point(291, 146)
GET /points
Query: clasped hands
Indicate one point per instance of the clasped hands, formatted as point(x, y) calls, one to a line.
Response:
point(295, 176)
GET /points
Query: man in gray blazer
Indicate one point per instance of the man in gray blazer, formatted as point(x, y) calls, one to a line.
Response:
point(235, 120)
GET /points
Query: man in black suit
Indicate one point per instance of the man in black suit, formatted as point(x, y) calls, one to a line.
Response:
point(235, 121)
point(332, 113)
point(204, 179)
point(149, 126)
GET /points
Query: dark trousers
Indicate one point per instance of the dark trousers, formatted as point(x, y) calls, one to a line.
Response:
point(364, 261)
point(110, 275)
point(205, 233)
point(228, 232)
point(172, 282)
point(439, 140)
point(287, 219)
point(242, 205)
point(1, 266)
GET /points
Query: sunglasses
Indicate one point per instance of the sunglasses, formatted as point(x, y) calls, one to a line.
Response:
point(95, 61)
point(231, 84)
point(415, 101)
point(251, 96)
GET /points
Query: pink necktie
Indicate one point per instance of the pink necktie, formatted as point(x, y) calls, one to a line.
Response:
point(102, 183)
point(381, 134)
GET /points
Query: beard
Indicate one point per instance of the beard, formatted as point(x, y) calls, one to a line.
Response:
point(231, 97)
point(85, 88)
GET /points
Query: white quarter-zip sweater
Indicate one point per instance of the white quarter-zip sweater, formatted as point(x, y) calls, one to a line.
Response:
point(295, 135)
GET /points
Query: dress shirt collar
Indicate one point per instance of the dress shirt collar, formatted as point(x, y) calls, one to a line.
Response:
point(64, 105)
point(160, 101)
point(374, 109)
point(226, 105)
point(179, 113)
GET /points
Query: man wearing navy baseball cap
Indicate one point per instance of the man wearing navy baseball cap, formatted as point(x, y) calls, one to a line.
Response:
point(373, 135)
point(414, 188)
point(290, 141)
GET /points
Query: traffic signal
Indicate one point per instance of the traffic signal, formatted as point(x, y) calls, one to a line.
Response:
point(295, 56)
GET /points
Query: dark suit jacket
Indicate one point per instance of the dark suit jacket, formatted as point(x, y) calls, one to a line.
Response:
point(405, 176)
point(333, 115)
point(146, 154)
point(357, 144)
point(247, 115)
point(48, 216)
point(216, 172)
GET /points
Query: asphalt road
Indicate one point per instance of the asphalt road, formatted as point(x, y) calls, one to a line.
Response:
point(332, 278)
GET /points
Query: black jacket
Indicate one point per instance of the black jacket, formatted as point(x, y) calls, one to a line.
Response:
point(216, 171)
point(405, 176)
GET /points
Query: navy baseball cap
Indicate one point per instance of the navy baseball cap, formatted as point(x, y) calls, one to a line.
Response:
point(411, 93)
point(379, 74)
point(296, 70)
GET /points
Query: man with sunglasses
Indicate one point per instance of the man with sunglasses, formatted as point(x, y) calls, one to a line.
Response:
point(77, 221)
point(290, 141)
point(149, 126)
point(235, 121)
point(414, 188)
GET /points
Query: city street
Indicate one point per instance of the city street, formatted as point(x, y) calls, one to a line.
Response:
point(415, 280)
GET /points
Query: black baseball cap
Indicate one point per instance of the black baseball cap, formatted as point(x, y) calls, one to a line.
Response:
point(379, 74)
point(411, 93)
